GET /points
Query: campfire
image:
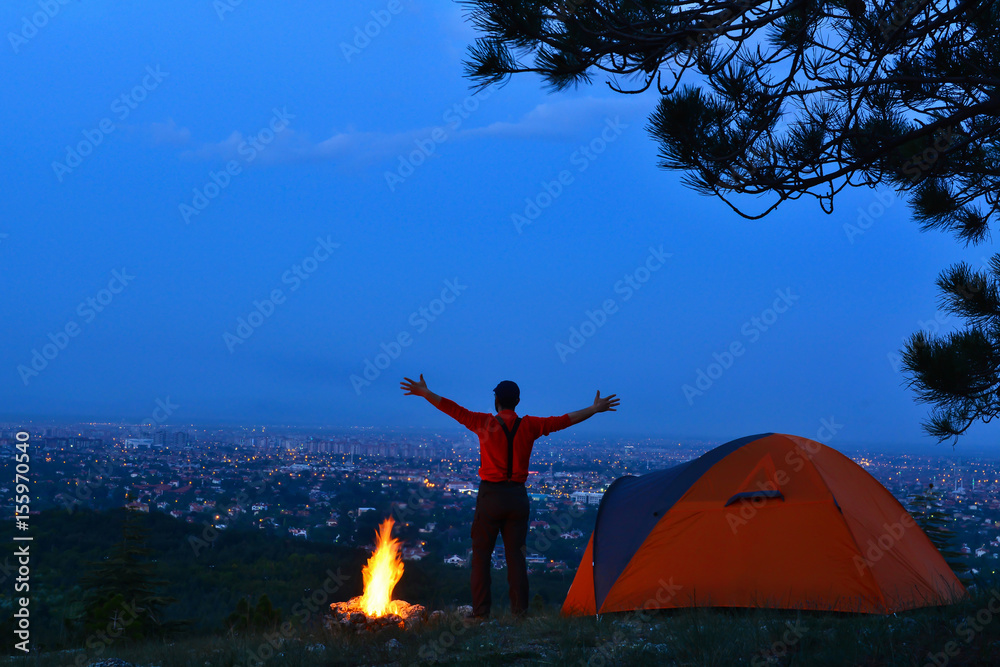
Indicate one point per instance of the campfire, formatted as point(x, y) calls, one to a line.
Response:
point(375, 609)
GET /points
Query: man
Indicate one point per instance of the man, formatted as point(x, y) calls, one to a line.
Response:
point(505, 442)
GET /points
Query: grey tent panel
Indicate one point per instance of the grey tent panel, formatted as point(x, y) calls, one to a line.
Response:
point(632, 506)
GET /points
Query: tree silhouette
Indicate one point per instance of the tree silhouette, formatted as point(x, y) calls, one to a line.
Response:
point(960, 373)
point(253, 619)
point(785, 98)
point(121, 598)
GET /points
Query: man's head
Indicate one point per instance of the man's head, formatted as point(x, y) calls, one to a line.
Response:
point(507, 395)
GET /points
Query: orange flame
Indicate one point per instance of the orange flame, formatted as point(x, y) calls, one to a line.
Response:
point(382, 573)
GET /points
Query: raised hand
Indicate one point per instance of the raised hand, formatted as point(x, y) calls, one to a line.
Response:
point(413, 388)
point(605, 404)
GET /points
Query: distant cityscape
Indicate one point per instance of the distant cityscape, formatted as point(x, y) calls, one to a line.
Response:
point(338, 486)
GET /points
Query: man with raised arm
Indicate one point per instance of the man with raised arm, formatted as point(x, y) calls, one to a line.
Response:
point(502, 506)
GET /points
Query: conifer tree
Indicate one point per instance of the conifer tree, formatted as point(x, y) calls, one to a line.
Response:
point(121, 598)
point(785, 98)
point(262, 617)
point(778, 99)
point(960, 372)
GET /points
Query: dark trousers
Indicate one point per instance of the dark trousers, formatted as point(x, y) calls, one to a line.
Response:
point(501, 507)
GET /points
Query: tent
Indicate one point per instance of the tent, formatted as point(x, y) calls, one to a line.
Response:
point(770, 520)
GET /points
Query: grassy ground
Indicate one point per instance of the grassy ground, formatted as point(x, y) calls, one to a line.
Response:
point(963, 634)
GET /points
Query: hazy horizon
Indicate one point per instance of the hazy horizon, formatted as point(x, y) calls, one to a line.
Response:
point(845, 445)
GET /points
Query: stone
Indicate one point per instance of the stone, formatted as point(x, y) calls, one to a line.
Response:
point(349, 615)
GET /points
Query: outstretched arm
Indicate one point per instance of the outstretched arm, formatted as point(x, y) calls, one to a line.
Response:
point(600, 405)
point(467, 418)
point(413, 388)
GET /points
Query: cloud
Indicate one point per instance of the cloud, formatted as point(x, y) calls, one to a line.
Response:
point(365, 146)
point(351, 146)
point(262, 147)
point(566, 119)
point(226, 149)
point(169, 133)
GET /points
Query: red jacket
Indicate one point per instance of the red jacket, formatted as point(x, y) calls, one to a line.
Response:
point(493, 441)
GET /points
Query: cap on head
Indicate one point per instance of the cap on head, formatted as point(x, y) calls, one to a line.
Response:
point(507, 394)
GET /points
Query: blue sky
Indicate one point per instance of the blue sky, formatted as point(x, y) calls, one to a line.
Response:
point(217, 155)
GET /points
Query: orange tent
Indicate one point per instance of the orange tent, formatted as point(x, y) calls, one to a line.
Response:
point(770, 520)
